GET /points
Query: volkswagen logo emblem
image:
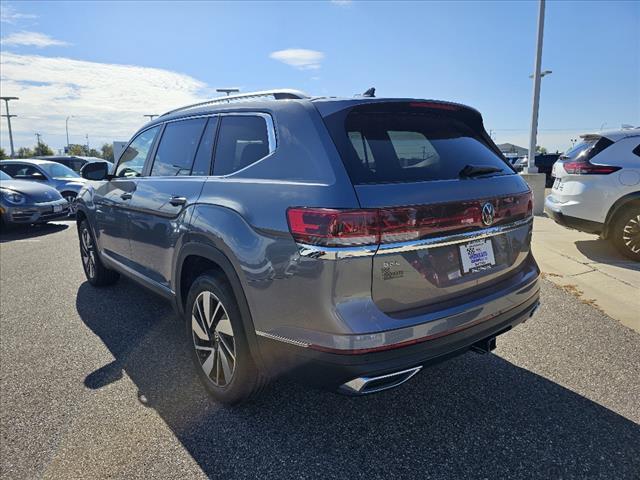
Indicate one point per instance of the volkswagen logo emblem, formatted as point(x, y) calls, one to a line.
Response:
point(488, 212)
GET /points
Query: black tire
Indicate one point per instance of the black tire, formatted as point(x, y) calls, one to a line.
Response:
point(212, 347)
point(97, 274)
point(625, 232)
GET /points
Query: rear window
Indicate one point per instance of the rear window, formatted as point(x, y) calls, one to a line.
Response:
point(586, 149)
point(409, 146)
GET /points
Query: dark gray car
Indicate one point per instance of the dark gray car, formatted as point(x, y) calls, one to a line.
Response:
point(23, 202)
point(347, 242)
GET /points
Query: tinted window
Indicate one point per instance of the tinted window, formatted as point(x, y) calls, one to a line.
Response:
point(242, 141)
point(408, 146)
point(4, 176)
point(132, 159)
point(177, 148)
point(202, 164)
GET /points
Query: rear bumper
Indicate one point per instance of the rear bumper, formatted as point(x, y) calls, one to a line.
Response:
point(333, 370)
point(553, 210)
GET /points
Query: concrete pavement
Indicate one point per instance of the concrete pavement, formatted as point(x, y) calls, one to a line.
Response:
point(590, 268)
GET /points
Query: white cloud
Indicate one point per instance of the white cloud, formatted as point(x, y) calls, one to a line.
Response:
point(31, 39)
point(299, 58)
point(107, 101)
point(9, 14)
point(341, 3)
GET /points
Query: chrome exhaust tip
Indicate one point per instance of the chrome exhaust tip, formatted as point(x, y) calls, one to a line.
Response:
point(365, 385)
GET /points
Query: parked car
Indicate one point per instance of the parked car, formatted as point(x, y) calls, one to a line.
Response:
point(348, 242)
point(544, 164)
point(23, 202)
point(597, 188)
point(74, 162)
point(62, 178)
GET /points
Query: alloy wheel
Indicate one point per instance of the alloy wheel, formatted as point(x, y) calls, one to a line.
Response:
point(631, 234)
point(213, 338)
point(88, 253)
point(71, 200)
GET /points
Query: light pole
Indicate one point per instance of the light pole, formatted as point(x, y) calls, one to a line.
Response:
point(67, 129)
point(228, 91)
point(8, 115)
point(151, 115)
point(529, 168)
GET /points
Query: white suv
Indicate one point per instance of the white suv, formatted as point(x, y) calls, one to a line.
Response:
point(597, 188)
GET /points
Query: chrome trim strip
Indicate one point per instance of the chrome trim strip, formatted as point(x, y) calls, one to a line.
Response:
point(358, 386)
point(336, 253)
point(278, 338)
point(436, 242)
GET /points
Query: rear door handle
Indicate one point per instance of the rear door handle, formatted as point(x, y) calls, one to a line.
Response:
point(125, 196)
point(177, 201)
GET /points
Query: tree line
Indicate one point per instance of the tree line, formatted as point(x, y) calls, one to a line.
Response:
point(42, 149)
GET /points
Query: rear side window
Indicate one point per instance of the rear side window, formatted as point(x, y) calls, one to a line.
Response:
point(177, 148)
point(242, 140)
point(409, 146)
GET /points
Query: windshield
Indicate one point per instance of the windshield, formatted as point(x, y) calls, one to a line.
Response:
point(56, 170)
point(4, 176)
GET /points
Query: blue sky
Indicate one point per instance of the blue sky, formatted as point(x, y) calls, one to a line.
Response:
point(108, 63)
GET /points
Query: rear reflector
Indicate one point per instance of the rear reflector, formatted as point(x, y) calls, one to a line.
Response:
point(588, 168)
point(339, 228)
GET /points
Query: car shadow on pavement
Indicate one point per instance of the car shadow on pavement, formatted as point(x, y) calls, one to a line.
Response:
point(23, 232)
point(603, 251)
point(472, 417)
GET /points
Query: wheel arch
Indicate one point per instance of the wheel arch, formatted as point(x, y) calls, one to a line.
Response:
point(618, 205)
point(220, 261)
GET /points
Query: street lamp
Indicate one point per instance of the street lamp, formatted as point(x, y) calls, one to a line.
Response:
point(150, 115)
point(8, 115)
point(67, 128)
point(227, 90)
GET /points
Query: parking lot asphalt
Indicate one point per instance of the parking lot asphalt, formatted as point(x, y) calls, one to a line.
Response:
point(98, 383)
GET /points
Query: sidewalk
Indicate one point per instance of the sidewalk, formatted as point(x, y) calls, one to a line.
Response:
point(589, 268)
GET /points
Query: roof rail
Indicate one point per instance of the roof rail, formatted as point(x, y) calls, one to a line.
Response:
point(279, 94)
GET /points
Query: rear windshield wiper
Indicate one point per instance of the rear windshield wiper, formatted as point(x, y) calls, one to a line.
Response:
point(475, 170)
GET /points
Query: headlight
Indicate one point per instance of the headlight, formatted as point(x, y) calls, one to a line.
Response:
point(13, 197)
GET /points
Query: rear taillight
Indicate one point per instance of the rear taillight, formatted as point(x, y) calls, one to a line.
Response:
point(340, 228)
point(331, 227)
point(588, 168)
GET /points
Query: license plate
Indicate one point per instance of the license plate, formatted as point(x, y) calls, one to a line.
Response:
point(477, 255)
point(57, 208)
point(556, 183)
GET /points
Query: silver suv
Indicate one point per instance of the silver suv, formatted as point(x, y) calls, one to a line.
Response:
point(345, 241)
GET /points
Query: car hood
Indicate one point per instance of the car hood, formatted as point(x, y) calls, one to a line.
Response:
point(36, 191)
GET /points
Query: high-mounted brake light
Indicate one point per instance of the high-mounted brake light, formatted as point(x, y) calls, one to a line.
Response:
point(436, 105)
point(588, 168)
point(340, 228)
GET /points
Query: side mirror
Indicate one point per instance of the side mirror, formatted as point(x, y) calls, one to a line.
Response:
point(95, 171)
